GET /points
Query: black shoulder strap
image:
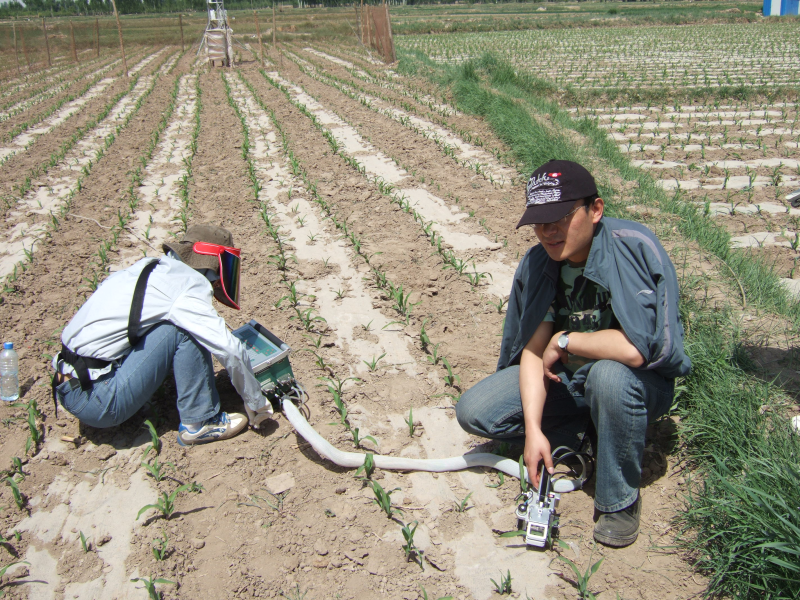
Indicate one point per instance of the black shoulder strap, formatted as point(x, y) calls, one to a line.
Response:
point(135, 317)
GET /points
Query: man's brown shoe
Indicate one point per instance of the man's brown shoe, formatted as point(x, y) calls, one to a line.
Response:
point(620, 528)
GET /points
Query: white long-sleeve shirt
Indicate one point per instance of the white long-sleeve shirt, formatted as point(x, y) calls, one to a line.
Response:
point(175, 293)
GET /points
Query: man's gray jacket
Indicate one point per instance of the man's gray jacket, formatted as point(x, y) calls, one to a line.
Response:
point(627, 259)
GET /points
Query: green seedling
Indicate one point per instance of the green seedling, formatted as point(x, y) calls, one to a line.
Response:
point(295, 594)
point(504, 587)
point(166, 504)
point(293, 296)
point(155, 443)
point(307, 318)
point(499, 305)
point(409, 548)
point(423, 336)
point(434, 357)
point(461, 505)
point(425, 595)
point(155, 468)
point(501, 480)
point(410, 422)
point(367, 468)
point(150, 585)
point(383, 499)
point(335, 384)
point(19, 499)
point(340, 294)
point(372, 365)
point(159, 547)
point(357, 440)
point(84, 544)
point(16, 464)
point(523, 483)
point(581, 579)
point(6, 568)
point(450, 379)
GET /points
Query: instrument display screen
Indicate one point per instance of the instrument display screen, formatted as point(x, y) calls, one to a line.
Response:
point(259, 348)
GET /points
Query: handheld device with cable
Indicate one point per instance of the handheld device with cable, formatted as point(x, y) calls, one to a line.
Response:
point(536, 514)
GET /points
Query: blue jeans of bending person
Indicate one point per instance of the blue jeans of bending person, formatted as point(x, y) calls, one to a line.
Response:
point(621, 401)
point(119, 394)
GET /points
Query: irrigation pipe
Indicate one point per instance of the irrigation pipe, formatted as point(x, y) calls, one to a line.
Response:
point(394, 463)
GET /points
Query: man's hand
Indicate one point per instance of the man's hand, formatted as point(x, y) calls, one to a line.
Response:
point(552, 353)
point(537, 449)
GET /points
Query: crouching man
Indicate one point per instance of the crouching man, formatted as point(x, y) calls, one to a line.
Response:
point(155, 316)
point(592, 333)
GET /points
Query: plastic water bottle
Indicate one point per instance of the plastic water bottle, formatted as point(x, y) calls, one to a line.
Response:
point(9, 373)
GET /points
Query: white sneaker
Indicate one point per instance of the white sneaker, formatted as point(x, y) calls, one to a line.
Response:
point(223, 426)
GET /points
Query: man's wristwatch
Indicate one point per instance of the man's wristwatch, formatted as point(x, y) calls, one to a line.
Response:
point(563, 341)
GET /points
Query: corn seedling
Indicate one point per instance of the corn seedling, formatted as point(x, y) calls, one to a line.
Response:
point(84, 544)
point(450, 379)
point(150, 585)
point(425, 595)
point(523, 483)
point(434, 357)
point(499, 305)
point(367, 468)
point(461, 505)
point(409, 547)
point(357, 439)
point(6, 568)
point(504, 587)
point(372, 365)
point(19, 499)
point(156, 469)
point(410, 422)
point(16, 464)
point(581, 579)
point(155, 443)
point(501, 479)
point(159, 547)
point(166, 504)
point(295, 594)
point(383, 498)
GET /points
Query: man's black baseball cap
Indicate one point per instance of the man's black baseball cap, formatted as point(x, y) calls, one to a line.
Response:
point(553, 190)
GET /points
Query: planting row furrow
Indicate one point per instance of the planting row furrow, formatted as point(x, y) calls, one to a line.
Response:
point(438, 220)
point(460, 151)
point(344, 302)
point(25, 135)
point(161, 187)
point(27, 225)
point(426, 99)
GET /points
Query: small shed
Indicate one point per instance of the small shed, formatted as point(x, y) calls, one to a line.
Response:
point(775, 8)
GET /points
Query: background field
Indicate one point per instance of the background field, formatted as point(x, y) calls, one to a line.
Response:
point(375, 206)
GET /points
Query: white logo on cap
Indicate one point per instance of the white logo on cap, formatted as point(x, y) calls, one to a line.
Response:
point(543, 188)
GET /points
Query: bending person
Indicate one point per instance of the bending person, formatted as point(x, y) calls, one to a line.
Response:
point(155, 316)
point(592, 332)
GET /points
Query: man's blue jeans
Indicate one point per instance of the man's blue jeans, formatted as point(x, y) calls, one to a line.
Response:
point(118, 395)
point(621, 401)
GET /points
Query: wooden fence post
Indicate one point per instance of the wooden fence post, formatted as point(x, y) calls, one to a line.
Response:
point(121, 43)
point(258, 33)
point(180, 22)
point(97, 34)
point(72, 37)
point(274, 29)
point(16, 56)
point(46, 42)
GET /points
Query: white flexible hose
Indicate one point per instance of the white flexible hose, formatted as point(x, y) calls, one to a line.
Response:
point(395, 463)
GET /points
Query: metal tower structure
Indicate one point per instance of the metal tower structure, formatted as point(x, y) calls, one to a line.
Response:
point(218, 36)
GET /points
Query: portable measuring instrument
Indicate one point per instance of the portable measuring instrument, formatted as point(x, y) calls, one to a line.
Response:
point(269, 358)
